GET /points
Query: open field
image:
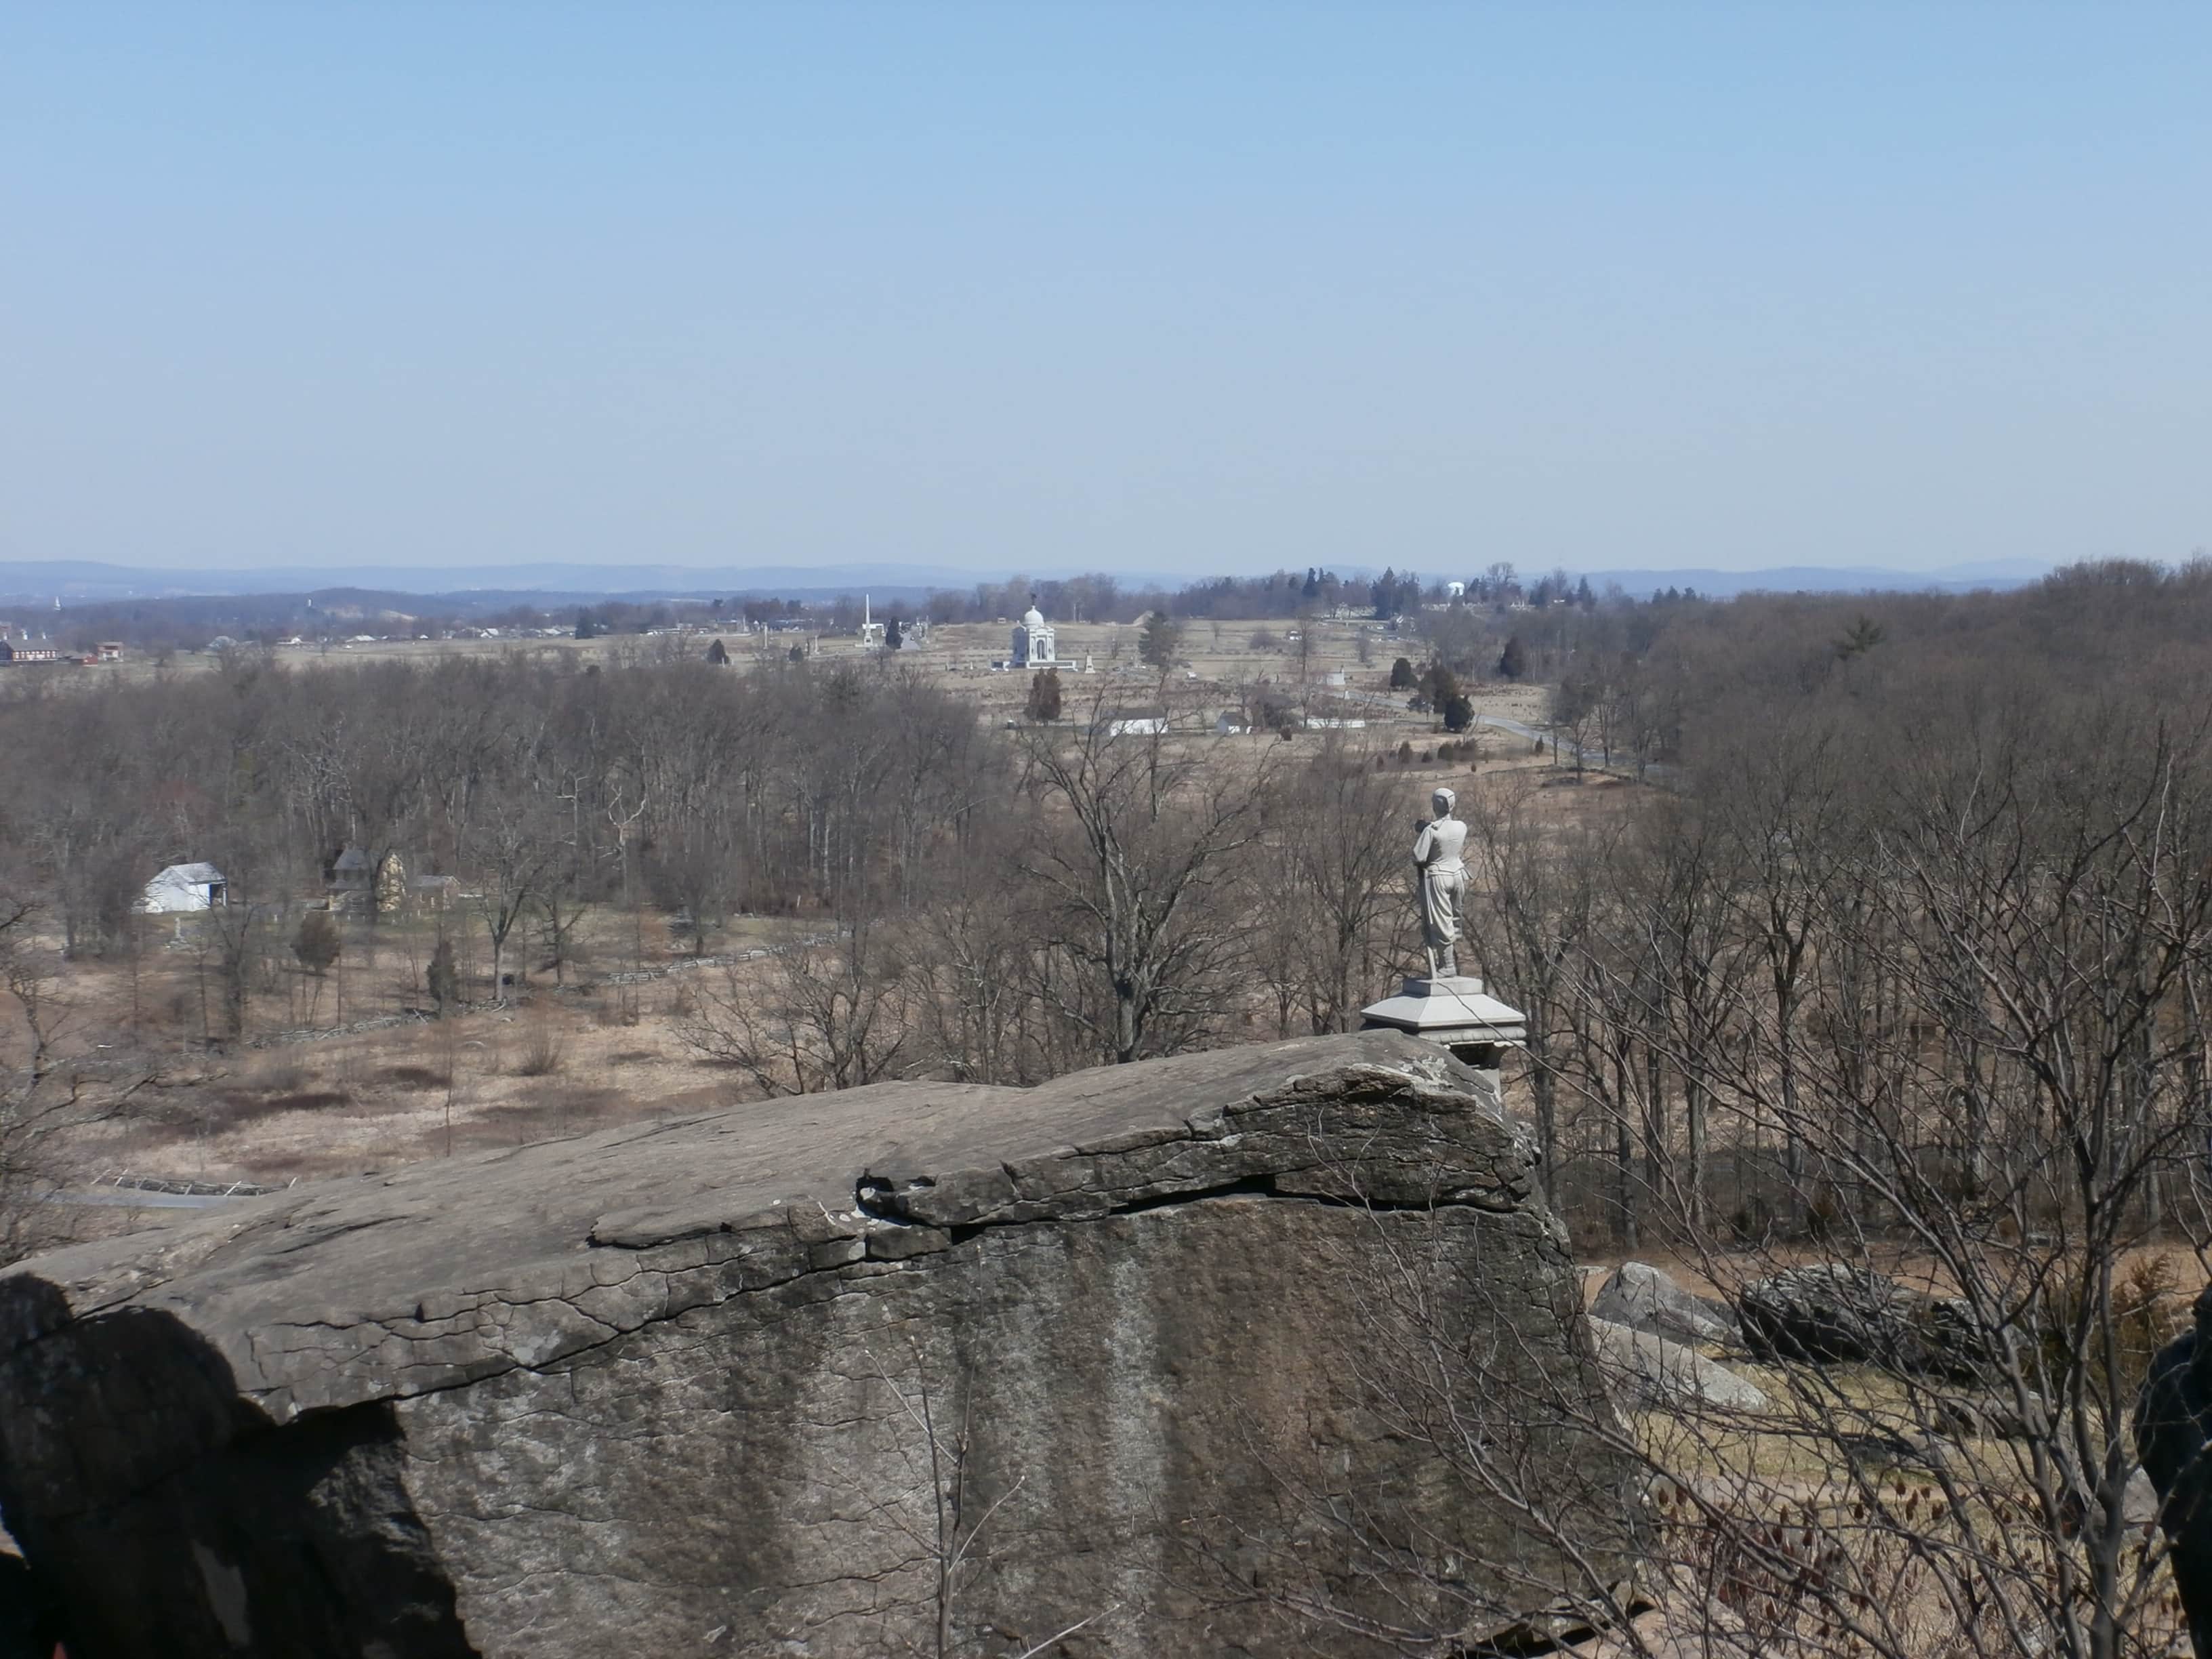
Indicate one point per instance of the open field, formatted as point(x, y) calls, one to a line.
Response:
point(1226, 655)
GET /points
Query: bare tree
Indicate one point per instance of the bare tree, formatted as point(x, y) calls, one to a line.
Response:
point(816, 1016)
point(1334, 880)
point(1138, 834)
point(517, 855)
point(49, 1099)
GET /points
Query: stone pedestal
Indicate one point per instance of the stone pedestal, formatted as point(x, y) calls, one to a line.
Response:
point(1453, 1009)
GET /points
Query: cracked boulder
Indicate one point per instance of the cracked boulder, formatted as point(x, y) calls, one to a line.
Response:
point(1126, 1364)
point(1645, 1298)
point(1649, 1370)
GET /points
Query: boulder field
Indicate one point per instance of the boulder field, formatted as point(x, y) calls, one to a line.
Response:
point(1084, 1368)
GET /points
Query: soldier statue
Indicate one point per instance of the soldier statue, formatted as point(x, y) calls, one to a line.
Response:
point(1441, 880)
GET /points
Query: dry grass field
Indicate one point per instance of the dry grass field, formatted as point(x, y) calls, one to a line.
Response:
point(1220, 656)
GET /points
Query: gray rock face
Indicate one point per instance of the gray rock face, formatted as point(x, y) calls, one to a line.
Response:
point(1832, 1311)
point(725, 1385)
point(1650, 1370)
point(1645, 1298)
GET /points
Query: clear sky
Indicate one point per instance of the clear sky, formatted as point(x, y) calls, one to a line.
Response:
point(1197, 285)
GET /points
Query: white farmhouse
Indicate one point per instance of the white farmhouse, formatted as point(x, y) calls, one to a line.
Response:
point(183, 888)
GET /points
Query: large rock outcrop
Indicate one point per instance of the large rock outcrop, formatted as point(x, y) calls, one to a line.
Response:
point(1131, 1345)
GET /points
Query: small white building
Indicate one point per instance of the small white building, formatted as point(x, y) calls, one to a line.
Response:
point(1133, 723)
point(182, 889)
point(1033, 640)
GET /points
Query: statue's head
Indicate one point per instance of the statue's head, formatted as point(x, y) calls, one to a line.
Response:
point(1444, 800)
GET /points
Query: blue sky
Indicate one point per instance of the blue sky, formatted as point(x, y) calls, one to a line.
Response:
point(1195, 286)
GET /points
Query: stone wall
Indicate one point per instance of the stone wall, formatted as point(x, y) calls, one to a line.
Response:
point(742, 1383)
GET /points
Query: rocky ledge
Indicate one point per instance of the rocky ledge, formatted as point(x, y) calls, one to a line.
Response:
point(1087, 1366)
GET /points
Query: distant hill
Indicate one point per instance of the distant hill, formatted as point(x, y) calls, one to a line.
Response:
point(1994, 574)
point(71, 580)
point(86, 581)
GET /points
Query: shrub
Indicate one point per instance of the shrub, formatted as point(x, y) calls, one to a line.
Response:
point(317, 943)
point(544, 1049)
point(443, 979)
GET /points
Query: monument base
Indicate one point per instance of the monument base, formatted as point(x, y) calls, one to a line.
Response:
point(1454, 1011)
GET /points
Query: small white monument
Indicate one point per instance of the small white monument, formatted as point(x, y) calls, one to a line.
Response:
point(1447, 1006)
point(871, 631)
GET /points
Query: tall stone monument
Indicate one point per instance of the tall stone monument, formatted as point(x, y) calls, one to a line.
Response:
point(1034, 646)
point(1447, 1006)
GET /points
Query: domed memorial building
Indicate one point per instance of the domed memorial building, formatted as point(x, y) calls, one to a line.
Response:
point(1033, 640)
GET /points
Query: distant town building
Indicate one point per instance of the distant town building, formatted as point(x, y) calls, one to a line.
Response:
point(1034, 646)
point(12, 652)
point(109, 650)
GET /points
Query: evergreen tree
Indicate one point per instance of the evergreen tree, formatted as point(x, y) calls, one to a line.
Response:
point(1044, 696)
point(1384, 594)
point(1162, 635)
point(1401, 674)
point(1513, 661)
point(1439, 685)
point(443, 979)
point(317, 943)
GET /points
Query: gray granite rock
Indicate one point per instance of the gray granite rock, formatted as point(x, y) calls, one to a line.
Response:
point(1832, 1311)
point(675, 1388)
point(1645, 1298)
point(1649, 1370)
